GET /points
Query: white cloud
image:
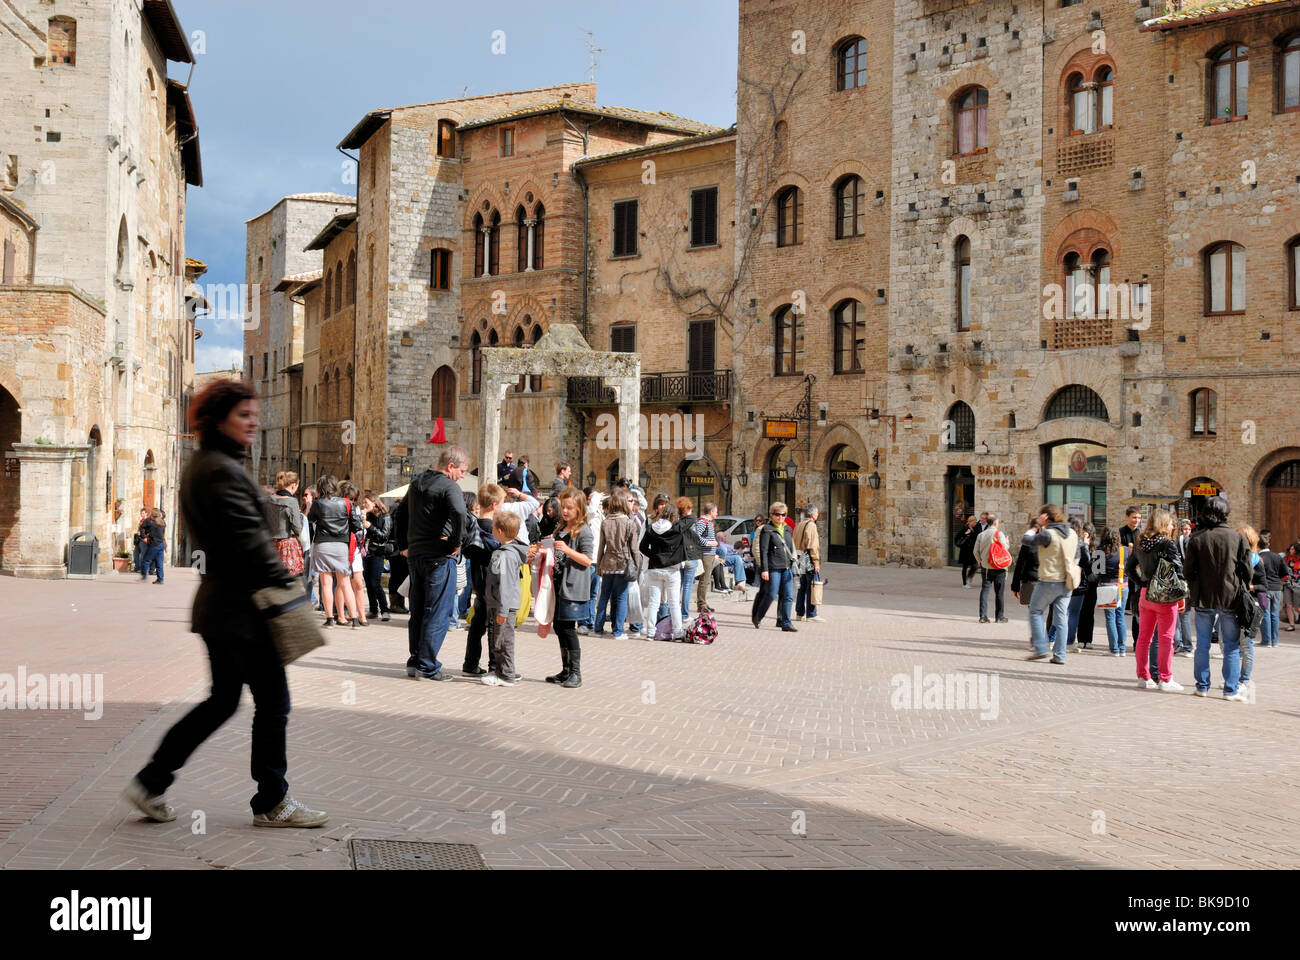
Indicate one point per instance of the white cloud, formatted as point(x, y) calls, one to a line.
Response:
point(212, 357)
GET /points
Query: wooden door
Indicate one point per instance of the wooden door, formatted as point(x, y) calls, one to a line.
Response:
point(1282, 516)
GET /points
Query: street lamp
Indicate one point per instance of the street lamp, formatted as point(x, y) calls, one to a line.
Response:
point(873, 481)
point(591, 479)
point(790, 468)
point(644, 477)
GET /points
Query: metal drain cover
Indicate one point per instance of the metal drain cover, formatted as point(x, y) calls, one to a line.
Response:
point(414, 855)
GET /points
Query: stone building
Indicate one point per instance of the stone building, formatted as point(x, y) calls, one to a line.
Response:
point(276, 248)
point(469, 234)
point(96, 341)
point(659, 253)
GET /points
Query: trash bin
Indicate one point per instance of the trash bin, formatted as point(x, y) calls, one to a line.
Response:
point(83, 555)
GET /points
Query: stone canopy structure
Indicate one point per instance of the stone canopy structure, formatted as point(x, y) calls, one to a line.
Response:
point(562, 352)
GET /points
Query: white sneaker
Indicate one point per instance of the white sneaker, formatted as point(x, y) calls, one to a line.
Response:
point(492, 680)
point(1188, 654)
point(965, 586)
point(1237, 697)
point(815, 619)
point(1200, 693)
point(153, 806)
point(1147, 684)
point(1171, 686)
point(1216, 654)
point(619, 636)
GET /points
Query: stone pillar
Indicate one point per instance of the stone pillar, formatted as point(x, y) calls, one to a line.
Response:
point(44, 508)
point(493, 394)
point(487, 251)
point(627, 391)
point(531, 223)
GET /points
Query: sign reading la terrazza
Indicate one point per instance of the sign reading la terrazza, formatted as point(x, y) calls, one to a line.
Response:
point(1002, 476)
point(780, 429)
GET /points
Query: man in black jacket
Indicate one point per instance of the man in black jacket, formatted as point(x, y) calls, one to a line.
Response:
point(1217, 566)
point(432, 517)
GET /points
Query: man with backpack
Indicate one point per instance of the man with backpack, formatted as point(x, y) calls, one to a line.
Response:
point(993, 554)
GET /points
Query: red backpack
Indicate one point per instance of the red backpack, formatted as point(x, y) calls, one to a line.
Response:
point(999, 557)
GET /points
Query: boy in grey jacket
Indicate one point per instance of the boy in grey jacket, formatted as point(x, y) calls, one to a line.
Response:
point(503, 595)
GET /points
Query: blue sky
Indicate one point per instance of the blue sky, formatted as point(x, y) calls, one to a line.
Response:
point(280, 82)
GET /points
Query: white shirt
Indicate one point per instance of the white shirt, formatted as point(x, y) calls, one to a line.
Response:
point(521, 509)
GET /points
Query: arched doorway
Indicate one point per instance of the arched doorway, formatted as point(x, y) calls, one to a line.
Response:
point(781, 472)
point(10, 433)
point(1195, 493)
point(696, 480)
point(1282, 504)
point(150, 492)
point(611, 475)
point(842, 506)
point(1075, 471)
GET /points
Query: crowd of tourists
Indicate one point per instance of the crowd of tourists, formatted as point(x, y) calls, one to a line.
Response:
point(1204, 590)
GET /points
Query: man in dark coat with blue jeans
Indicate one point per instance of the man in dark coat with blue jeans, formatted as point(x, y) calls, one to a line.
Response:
point(429, 524)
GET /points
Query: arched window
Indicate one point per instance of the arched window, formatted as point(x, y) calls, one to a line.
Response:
point(1225, 278)
point(352, 278)
point(494, 244)
point(338, 287)
point(1087, 284)
point(959, 425)
point(351, 392)
point(1205, 412)
point(851, 64)
point(1105, 80)
point(443, 394)
point(62, 36)
point(475, 363)
point(478, 246)
point(338, 395)
point(1092, 101)
point(971, 120)
point(789, 342)
point(850, 207)
point(789, 217)
point(539, 238)
point(521, 238)
point(1293, 273)
point(519, 341)
point(850, 337)
point(1288, 74)
point(961, 271)
point(123, 250)
point(1229, 83)
point(329, 289)
point(325, 382)
point(1076, 400)
point(535, 380)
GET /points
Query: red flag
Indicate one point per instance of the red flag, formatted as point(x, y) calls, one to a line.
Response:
point(439, 432)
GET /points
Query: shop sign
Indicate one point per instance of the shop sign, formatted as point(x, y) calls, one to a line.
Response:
point(844, 476)
point(780, 429)
point(1002, 476)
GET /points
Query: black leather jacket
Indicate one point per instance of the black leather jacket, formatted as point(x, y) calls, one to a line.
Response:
point(330, 520)
point(222, 508)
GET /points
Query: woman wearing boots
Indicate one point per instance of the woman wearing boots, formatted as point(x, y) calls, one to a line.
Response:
point(574, 545)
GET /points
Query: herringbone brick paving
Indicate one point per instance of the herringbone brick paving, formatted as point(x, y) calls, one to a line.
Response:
point(767, 750)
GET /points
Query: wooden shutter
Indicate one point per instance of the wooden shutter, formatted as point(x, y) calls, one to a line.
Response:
point(625, 228)
point(622, 339)
point(701, 346)
point(704, 217)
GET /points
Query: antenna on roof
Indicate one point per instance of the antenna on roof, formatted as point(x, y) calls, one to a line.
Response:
point(592, 50)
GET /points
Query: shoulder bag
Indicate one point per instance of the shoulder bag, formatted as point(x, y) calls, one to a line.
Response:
point(290, 620)
point(1166, 586)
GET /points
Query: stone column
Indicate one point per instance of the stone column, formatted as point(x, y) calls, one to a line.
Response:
point(531, 224)
point(493, 395)
point(487, 251)
point(627, 391)
point(44, 508)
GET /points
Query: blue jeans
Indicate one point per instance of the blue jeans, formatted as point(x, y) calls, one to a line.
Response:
point(1054, 594)
point(779, 582)
point(433, 597)
point(613, 597)
point(588, 618)
point(689, 570)
point(803, 599)
point(1229, 639)
point(1184, 632)
point(737, 564)
point(1076, 608)
point(152, 557)
point(1271, 618)
point(1117, 623)
point(462, 602)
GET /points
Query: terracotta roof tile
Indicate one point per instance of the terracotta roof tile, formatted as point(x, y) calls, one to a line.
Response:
point(1188, 12)
point(661, 119)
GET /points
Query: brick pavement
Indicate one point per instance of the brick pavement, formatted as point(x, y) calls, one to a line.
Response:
point(715, 765)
